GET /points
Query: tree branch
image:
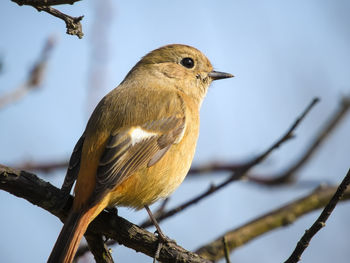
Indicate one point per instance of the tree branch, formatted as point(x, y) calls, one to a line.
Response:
point(288, 174)
point(280, 217)
point(35, 190)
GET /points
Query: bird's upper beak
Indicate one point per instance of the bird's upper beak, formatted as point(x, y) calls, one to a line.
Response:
point(214, 75)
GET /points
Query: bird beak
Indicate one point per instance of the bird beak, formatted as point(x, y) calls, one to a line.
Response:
point(214, 75)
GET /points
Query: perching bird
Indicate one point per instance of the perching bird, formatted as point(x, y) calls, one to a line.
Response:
point(139, 142)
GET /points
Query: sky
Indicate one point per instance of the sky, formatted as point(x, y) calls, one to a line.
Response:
point(282, 53)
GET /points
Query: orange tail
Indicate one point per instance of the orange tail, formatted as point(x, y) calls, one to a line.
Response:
point(69, 239)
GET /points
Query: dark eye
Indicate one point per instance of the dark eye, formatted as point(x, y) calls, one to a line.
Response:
point(187, 62)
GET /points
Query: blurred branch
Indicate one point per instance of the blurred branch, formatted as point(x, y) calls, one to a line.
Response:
point(280, 217)
point(73, 24)
point(100, 46)
point(40, 193)
point(35, 78)
point(288, 175)
point(239, 173)
point(216, 167)
point(42, 167)
point(320, 222)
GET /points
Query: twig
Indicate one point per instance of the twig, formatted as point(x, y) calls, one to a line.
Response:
point(226, 251)
point(320, 222)
point(280, 217)
point(240, 173)
point(216, 167)
point(42, 167)
point(28, 186)
point(35, 78)
point(288, 174)
point(73, 24)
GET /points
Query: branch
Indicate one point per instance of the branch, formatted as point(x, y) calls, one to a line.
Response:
point(35, 190)
point(288, 174)
point(280, 217)
point(73, 24)
point(320, 222)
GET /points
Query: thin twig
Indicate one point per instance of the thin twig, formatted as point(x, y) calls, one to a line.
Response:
point(226, 251)
point(73, 24)
point(320, 222)
point(240, 173)
point(42, 166)
point(288, 174)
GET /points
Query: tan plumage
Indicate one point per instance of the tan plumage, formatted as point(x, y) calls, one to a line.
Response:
point(140, 140)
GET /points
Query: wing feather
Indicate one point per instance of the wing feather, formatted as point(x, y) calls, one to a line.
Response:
point(123, 155)
point(73, 167)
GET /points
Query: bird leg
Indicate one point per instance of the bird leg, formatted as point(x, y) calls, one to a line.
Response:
point(155, 223)
point(163, 239)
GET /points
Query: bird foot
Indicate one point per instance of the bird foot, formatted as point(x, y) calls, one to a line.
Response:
point(162, 240)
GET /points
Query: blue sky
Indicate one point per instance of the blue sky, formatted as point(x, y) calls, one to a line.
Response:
point(283, 53)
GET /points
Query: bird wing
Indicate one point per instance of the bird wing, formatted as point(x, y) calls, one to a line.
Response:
point(73, 167)
point(135, 147)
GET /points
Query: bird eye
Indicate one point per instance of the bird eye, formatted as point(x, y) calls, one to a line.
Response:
point(187, 62)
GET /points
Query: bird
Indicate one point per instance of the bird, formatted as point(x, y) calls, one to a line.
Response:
point(139, 142)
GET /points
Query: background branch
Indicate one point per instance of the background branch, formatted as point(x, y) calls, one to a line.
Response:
point(280, 217)
point(288, 175)
point(35, 77)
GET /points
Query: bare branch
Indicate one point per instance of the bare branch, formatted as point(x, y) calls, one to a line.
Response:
point(35, 190)
point(287, 176)
point(320, 222)
point(73, 24)
point(280, 217)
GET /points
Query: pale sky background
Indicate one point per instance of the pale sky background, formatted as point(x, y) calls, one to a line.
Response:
point(283, 53)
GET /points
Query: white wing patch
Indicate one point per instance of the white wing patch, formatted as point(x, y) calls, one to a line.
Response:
point(138, 134)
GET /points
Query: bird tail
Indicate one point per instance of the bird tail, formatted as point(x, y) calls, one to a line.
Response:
point(69, 239)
